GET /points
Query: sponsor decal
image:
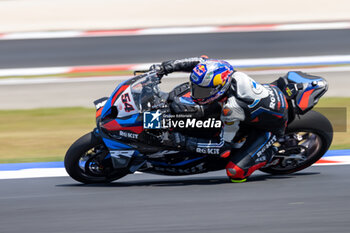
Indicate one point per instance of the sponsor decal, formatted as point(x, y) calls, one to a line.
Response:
point(191, 170)
point(122, 153)
point(288, 91)
point(121, 158)
point(210, 151)
point(128, 134)
point(200, 70)
point(220, 79)
point(266, 146)
point(272, 104)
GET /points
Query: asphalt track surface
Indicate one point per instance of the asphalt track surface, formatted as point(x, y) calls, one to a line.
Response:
point(135, 49)
point(313, 200)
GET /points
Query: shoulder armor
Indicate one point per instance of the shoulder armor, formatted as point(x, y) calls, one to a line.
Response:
point(247, 89)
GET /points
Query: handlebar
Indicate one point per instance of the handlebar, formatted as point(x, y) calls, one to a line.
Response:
point(140, 71)
point(155, 68)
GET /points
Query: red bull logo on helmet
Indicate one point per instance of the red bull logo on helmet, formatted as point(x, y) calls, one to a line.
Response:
point(221, 78)
point(212, 73)
point(198, 72)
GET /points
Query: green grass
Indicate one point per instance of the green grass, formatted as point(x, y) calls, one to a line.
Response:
point(341, 138)
point(46, 134)
point(41, 134)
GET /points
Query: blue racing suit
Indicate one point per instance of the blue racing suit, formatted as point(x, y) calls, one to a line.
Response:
point(262, 109)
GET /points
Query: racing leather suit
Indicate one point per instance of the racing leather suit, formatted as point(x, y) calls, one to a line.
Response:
point(260, 108)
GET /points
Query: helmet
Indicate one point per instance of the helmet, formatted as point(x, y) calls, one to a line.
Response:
point(210, 80)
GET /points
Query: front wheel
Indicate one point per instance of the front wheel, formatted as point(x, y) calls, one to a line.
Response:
point(85, 161)
point(306, 140)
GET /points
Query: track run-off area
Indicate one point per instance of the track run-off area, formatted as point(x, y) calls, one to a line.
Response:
point(56, 169)
point(312, 200)
point(82, 51)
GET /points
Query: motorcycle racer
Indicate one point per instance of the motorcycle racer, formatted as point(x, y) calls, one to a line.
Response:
point(261, 107)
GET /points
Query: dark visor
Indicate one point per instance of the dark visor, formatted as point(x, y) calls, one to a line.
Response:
point(199, 92)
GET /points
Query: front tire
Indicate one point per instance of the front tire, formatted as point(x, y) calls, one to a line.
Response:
point(308, 137)
point(84, 161)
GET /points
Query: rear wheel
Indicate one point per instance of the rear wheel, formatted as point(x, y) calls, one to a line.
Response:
point(306, 140)
point(85, 161)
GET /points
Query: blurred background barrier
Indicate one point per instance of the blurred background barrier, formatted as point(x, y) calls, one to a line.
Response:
point(44, 15)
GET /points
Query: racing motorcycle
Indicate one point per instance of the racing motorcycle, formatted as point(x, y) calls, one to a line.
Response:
point(122, 143)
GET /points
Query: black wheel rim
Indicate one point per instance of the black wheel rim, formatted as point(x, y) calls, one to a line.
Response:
point(296, 149)
point(89, 163)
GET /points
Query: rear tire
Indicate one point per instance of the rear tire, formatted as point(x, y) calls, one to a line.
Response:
point(85, 152)
point(316, 124)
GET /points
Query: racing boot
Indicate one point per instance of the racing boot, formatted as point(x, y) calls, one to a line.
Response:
point(254, 154)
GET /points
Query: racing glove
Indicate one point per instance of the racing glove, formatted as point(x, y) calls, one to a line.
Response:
point(159, 69)
point(184, 65)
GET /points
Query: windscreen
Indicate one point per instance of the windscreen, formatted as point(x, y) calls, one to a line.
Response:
point(138, 94)
point(145, 92)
